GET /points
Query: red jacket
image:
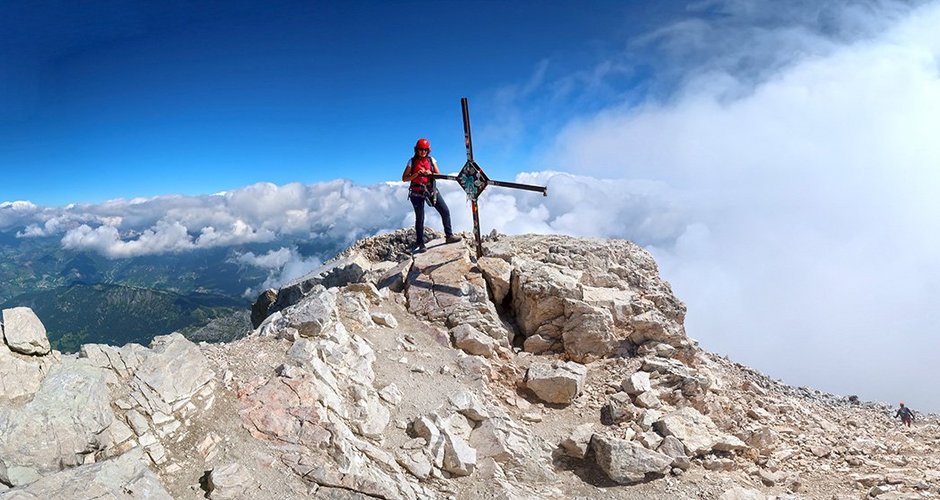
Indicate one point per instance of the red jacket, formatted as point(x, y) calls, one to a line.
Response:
point(420, 184)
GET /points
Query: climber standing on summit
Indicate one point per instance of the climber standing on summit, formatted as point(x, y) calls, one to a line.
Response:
point(907, 416)
point(423, 190)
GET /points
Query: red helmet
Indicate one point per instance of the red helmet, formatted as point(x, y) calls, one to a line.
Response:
point(423, 144)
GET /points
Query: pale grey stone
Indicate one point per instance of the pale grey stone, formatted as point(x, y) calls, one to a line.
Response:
point(536, 344)
point(391, 394)
point(696, 431)
point(648, 400)
point(21, 375)
point(472, 341)
point(175, 372)
point(742, 493)
point(125, 476)
point(460, 458)
point(138, 422)
point(385, 319)
point(24, 332)
point(556, 382)
point(579, 441)
point(649, 439)
point(620, 408)
point(588, 332)
point(229, 482)
point(498, 274)
point(626, 462)
point(467, 404)
point(315, 315)
point(671, 446)
point(637, 383)
point(63, 422)
point(415, 462)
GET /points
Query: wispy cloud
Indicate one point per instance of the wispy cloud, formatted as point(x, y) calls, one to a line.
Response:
point(802, 159)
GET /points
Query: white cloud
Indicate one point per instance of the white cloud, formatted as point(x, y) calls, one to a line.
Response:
point(283, 265)
point(261, 213)
point(805, 203)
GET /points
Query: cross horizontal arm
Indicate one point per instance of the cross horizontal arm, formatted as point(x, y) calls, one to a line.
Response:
point(514, 185)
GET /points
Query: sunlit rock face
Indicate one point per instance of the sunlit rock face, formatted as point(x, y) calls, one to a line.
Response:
point(549, 368)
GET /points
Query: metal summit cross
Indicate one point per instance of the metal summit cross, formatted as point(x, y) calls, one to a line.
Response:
point(473, 180)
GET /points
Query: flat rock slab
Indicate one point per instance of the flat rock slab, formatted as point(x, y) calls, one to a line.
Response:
point(63, 422)
point(125, 476)
point(444, 286)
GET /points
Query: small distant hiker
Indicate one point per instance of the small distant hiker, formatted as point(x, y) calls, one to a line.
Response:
point(907, 416)
point(423, 190)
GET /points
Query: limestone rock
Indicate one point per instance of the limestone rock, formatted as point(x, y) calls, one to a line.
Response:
point(742, 493)
point(498, 274)
point(24, 332)
point(619, 409)
point(21, 375)
point(229, 482)
point(637, 383)
point(64, 421)
point(627, 462)
point(394, 277)
point(384, 319)
point(261, 306)
point(175, 372)
point(471, 341)
point(579, 441)
point(557, 382)
point(339, 272)
point(445, 287)
point(588, 332)
point(538, 294)
point(125, 476)
point(674, 448)
point(314, 315)
point(696, 431)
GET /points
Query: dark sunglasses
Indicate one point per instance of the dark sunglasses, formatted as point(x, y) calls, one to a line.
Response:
point(423, 149)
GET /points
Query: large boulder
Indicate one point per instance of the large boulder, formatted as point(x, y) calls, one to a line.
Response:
point(556, 382)
point(445, 286)
point(627, 462)
point(697, 432)
point(590, 297)
point(21, 375)
point(24, 332)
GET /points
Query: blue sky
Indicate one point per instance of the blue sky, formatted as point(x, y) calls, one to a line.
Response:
point(111, 99)
point(778, 159)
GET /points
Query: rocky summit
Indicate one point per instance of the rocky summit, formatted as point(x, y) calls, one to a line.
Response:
point(552, 367)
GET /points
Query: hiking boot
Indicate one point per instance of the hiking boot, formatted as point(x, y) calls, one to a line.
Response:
point(453, 238)
point(418, 249)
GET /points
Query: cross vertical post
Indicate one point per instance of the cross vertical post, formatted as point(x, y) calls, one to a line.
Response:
point(474, 207)
point(473, 180)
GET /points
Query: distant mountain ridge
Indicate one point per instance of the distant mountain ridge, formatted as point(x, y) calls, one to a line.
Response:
point(117, 314)
point(29, 264)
